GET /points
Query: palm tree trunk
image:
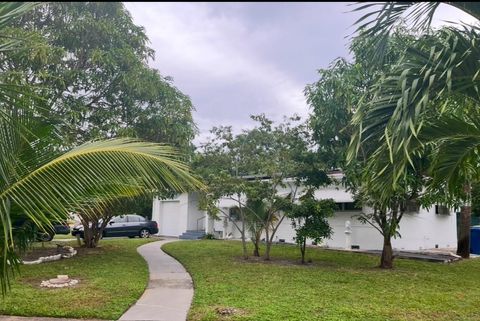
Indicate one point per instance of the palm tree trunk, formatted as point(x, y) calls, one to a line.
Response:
point(256, 244)
point(463, 242)
point(244, 241)
point(386, 262)
point(267, 250)
point(303, 246)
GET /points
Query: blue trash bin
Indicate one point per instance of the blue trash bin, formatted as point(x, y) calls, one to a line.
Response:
point(475, 239)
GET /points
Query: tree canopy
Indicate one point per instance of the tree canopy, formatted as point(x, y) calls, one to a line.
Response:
point(89, 63)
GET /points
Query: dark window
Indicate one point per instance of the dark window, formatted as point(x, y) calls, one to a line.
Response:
point(352, 206)
point(348, 206)
point(136, 218)
point(120, 219)
point(234, 213)
point(442, 210)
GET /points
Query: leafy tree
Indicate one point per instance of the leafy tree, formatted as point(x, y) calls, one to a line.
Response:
point(89, 63)
point(341, 88)
point(95, 218)
point(427, 105)
point(256, 219)
point(252, 166)
point(309, 219)
point(42, 182)
point(218, 164)
point(335, 100)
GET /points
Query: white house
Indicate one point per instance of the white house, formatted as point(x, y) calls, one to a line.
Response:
point(424, 229)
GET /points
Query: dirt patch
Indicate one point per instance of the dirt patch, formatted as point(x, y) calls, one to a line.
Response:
point(225, 313)
point(35, 282)
point(274, 261)
point(90, 251)
point(36, 253)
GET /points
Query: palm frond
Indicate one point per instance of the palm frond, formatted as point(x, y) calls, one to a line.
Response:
point(82, 177)
point(457, 147)
point(12, 10)
point(441, 65)
point(383, 18)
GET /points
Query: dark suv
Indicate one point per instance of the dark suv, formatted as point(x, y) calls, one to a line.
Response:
point(130, 225)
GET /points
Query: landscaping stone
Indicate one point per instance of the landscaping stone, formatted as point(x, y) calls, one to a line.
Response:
point(71, 252)
point(60, 281)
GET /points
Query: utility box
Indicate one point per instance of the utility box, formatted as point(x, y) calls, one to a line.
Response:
point(475, 239)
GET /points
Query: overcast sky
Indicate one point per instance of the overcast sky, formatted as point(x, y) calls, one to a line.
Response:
point(238, 59)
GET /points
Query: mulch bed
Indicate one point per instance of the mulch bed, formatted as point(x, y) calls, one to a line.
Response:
point(36, 253)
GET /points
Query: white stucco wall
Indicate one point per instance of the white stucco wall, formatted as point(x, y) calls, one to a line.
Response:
point(419, 231)
point(423, 230)
point(171, 215)
point(194, 214)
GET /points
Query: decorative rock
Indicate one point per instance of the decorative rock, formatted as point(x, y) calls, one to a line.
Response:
point(71, 250)
point(60, 282)
point(32, 262)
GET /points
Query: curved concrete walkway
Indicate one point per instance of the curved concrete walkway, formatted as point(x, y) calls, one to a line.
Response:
point(170, 289)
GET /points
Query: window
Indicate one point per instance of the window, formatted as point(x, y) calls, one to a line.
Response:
point(348, 207)
point(412, 206)
point(234, 213)
point(136, 218)
point(120, 219)
point(442, 210)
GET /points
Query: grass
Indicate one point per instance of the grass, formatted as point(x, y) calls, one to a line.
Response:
point(337, 286)
point(63, 237)
point(112, 277)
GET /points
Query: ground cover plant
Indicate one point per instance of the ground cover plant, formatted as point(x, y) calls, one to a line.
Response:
point(336, 286)
point(112, 278)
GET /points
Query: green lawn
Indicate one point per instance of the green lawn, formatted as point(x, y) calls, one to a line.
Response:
point(63, 237)
point(112, 277)
point(337, 286)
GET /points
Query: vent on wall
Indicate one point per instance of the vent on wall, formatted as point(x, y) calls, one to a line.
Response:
point(442, 210)
point(412, 206)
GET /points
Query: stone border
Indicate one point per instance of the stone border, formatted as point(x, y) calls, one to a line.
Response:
point(48, 284)
point(56, 257)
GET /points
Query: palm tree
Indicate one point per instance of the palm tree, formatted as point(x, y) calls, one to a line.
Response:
point(420, 107)
point(41, 182)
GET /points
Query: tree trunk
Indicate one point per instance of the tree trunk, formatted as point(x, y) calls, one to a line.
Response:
point(386, 262)
point(244, 247)
point(256, 251)
point(267, 243)
point(463, 243)
point(256, 243)
point(267, 250)
point(89, 238)
point(302, 249)
point(244, 240)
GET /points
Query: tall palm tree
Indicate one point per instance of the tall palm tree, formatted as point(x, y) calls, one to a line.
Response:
point(41, 182)
point(418, 107)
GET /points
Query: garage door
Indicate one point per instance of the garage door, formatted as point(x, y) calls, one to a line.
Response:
point(170, 219)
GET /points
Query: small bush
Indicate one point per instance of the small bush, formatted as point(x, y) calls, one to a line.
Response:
point(209, 236)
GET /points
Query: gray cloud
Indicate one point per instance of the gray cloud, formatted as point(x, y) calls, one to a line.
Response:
point(237, 59)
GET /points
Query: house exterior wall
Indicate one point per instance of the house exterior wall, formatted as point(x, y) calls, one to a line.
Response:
point(422, 230)
point(196, 217)
point(171, 215)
